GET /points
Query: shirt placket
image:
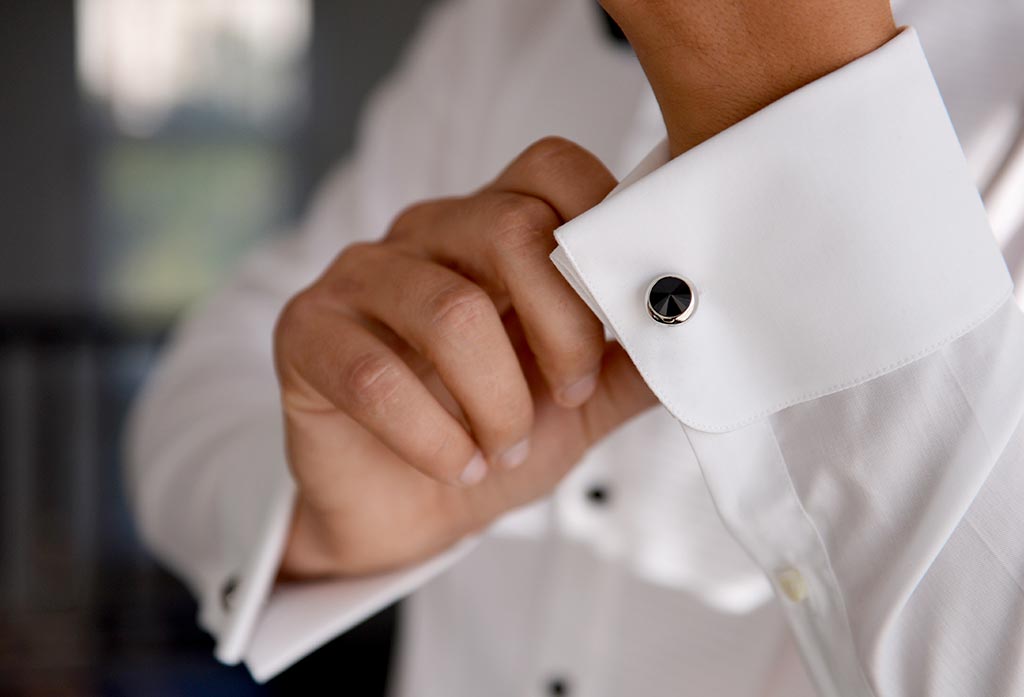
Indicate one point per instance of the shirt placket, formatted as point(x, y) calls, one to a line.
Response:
point(575, 622)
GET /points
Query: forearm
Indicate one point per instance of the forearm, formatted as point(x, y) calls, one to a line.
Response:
point(712, 64)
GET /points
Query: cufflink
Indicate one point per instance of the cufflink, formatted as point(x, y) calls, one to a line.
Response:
point(227, 592)
point(670, 300)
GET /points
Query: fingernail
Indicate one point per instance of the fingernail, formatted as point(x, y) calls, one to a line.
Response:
point(579, 392)
point(475, 471)
point(516, 455)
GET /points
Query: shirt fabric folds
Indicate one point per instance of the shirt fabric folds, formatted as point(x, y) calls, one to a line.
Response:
point(829, 501)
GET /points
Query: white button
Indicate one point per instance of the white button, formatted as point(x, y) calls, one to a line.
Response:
point(792, 584)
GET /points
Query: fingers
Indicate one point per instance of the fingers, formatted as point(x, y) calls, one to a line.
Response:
point(559, 172)
point(324, 356)
point(552, 181)
point(502, 238)
point(563, 334)
point(455, 325)
point(621, 394)
point(502, 241)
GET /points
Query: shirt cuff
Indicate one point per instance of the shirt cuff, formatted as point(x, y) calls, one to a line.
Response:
point(830, 238)
point(270, 626)
point(298, 618)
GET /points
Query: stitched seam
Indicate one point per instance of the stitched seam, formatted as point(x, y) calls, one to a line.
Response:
point(869, 376)
point(674, 407)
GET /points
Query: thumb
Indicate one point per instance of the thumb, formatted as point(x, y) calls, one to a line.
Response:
point(621, 394)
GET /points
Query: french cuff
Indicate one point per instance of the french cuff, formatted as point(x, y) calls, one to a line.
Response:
point(830, 238)
point(269, 625)
point(253, 532)
point(298, 618)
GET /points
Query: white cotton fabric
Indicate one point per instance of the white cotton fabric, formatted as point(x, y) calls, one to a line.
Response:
point(839, 512)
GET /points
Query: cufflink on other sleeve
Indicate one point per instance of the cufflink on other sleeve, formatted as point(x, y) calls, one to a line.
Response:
point(227, 592)
point(670, 300)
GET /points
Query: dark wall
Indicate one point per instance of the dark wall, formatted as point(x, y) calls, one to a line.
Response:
point(354, 44)
point(44, 250)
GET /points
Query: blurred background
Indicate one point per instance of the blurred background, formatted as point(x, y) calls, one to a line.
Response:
point(145, 145)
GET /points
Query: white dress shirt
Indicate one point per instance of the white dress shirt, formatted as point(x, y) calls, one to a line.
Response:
point(831, 500)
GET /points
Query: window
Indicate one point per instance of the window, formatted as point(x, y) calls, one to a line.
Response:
point(194, 108)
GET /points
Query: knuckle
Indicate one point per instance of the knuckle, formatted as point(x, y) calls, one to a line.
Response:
point(458, 307)
point(369, 380)
point(294, 333)
point(348, 278)
point(551, 149)
point(294, 317)
point(521, 222)
point(557, 159)
point(411, 218)
point(355, 255)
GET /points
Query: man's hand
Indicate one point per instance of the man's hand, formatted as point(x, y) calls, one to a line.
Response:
point(446, 374)
point(712, 63)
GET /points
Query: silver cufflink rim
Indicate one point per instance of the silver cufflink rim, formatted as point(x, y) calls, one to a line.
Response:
point(664, 319)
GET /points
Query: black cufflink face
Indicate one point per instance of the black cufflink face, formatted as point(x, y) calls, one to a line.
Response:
point(670, 300)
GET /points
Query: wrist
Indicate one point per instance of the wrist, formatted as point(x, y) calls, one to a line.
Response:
point(323, 543)
point(308, 552)
point(713, 64)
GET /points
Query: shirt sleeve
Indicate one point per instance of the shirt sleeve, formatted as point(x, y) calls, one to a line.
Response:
point(850, 378)
point(206, 472)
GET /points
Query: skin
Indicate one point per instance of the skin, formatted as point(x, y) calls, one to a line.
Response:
point(713, 63)
point(417, 413)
